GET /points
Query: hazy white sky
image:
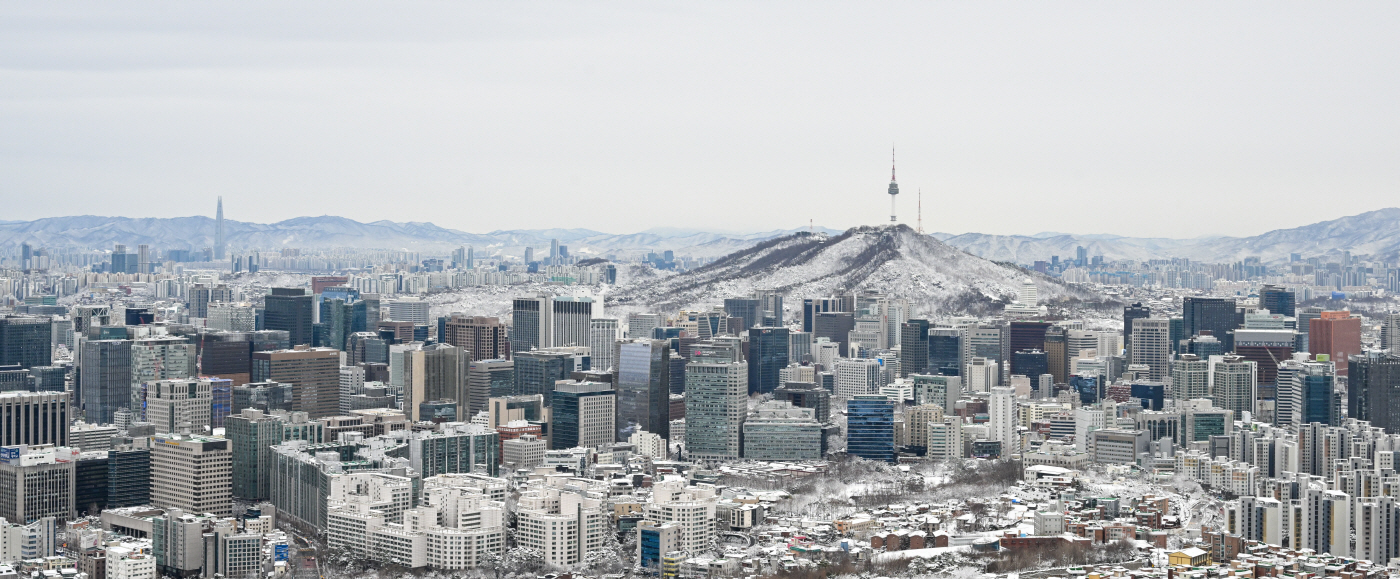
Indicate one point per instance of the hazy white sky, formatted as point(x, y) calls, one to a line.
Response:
point(1165, 119)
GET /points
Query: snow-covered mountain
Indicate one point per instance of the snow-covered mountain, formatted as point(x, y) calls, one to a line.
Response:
point(324, 232)
point(933, 276)
point(1373, 233)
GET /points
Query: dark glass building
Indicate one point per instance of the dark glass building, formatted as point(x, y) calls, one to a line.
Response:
point(751, 310)
point(1030, 363)
point(768, 353)
point(290, 310)
point(26, 341)
point(537, 371)
point(1214, 314)
point(643, 388)
point(945, 352)
point(1152, 394)
point(1278, 300)
point(90, 483)
point(870, 427)
point(1373, 389)
point(913, 348)
point(128, 477)
point(836, 327)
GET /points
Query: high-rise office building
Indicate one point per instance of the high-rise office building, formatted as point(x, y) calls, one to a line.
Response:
point(1390, 333)
point(856, 376)
point(716, 402)
point(1152, 346)
point(34, 418)
point(750, 309)
point(1233, 385)
point(1030, 363)
point(582, 414)
point(1277, 300)
point(1130, 313)
point(487, 379)
point(200, 295)
point(1057, 353)
point(483, 338)
point(176, 405)
point(192, 473)
point(530, 323)
point(1002, 419)
point(252, 433)
point(603, 342)
point(1190, 377)
point(914, 347)
point(160, 358)
point(104, 383)
point(290, 310)
point(870, 427)
point(777, 430)
point(1214, 314)
point(1266, 348)
point(1373, 389)
point(643, 388)
point(313, 372)
point(1313, 397)
point(768, 353)
point(572, 321)
point(1027, 335)
point(37, 483)
point(536, 371)
point(1336, 334)
point(945, 351)
point(836, 327)
point(26, 341)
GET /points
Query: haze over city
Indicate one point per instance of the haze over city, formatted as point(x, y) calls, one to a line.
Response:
point(1072, 117)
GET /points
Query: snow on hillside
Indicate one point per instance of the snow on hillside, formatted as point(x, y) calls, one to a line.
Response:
point(936, 278)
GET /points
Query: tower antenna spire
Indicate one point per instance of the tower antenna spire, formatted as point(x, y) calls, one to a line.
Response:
point(921, 211)
point(894, 187)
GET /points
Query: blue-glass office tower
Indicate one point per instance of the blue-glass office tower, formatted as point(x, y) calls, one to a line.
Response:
point(1090, 389)
point(913, 348)
point(537, 371)
point(290, 310)
point(1030, 363)
point(1214, 314)
point(26, 341)
point(945, 352)
point(751, 310)
point(1151, 394)
point(1277, 300)
point(870, 427)
point(643, 388)
point(768, 353)
point(1314, 384)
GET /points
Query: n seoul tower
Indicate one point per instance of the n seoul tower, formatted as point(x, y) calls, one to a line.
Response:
point(894, 187)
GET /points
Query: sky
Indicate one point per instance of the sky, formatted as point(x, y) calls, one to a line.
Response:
point(1174, 119)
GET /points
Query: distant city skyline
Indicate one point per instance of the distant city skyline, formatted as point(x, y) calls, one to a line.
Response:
point(621, 117)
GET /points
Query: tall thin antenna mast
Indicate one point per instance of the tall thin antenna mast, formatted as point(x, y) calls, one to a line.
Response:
point(921, 210)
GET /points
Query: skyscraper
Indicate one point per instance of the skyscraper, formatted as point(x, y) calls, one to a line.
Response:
point(602, 342)
point(1214, 314)
point(768, 353)
point(290, 310)
point(313, 372)
point(488, 379)
point(643, 388)
point(572, 321)
point(1131, 313)
point(1003, 420)
point(536, 371)
point(1277, 300)
point(1234, 383)
point(483, 338)
point(716, 402)
point(869, 427)
point(531, 325)
point(913, 348)
point(219, 244)
point(1151, 346)
point(104, 379)
point(1373, 389)
point(751, 310)
point(582, 414)
point(26, 341)
point(1190, 377)
point(1336, 334)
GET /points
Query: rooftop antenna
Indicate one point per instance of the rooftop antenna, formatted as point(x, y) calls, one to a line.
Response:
point(921, 211)
point(811, 227)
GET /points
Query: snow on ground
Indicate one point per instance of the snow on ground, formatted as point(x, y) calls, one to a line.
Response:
point(921, 553)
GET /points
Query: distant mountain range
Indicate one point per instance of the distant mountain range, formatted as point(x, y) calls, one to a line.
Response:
point(324, 232)
point(1375, 233)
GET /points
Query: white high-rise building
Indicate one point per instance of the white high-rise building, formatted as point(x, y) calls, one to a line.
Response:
point(231, 316)
point(825, 353)
point(1390, 333)
point(1233, 381)
point(675, 500)
point(193, 474)
point(174, 405)
point(562, 525)
point(982, 375)
point(1002, 419)
point(603, 341)
point(572, 321)
point(856, 376)
point(1152, 346)
point(1190, 377)
point(1085, 422)
point(945, 438)
point(409, 310)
